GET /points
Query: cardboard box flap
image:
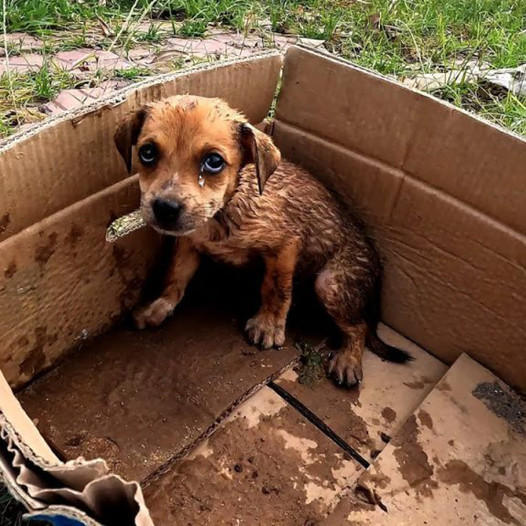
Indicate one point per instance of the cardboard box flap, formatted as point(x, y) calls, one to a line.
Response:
point(78, 485)
point(431, 140)
point(459, 459)
point(72, 156)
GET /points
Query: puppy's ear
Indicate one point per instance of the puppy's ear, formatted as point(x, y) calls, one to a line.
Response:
point(127, 134)
point(260, 150)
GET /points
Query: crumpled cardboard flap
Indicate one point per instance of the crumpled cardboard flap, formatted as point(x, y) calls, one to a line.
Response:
point(49, 488)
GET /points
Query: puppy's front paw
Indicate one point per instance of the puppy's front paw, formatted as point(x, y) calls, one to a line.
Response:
point(346, 369)
point(154, 314)
point(264, 330)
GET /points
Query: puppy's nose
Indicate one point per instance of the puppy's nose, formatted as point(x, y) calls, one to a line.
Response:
point(166, 212)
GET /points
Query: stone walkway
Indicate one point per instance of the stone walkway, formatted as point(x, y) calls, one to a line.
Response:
point(96, 72)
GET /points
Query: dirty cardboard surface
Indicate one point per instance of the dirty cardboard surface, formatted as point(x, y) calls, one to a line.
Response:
point(60, 282)
point(365, 417)
point(88, 160)
point(454, 252)
point(265, 465)
point(455, 461)
point(137, 398)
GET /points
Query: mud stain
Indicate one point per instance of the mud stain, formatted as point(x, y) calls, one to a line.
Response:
point(444, 386)
point(415, 385)
point(22, 341)
point(269, 481)
point(75, 233)
point(389, 414)
point(412, 459)
point(10, 271)
point(131, 282)
point(504, 403)
point(45, 251)
point(425, 419)
point(4, 222)
point(491, 493)
point(36, 356)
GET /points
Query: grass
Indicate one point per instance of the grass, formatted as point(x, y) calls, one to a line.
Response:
point(395, 37)
point(10, 510)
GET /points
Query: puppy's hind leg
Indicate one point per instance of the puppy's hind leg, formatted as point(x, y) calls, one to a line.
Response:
point(342, 290)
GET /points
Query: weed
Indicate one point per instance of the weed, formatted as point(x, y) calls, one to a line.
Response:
point(132, 73)
point(313, 361)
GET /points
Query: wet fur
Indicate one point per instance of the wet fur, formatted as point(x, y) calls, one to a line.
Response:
point(258, 207)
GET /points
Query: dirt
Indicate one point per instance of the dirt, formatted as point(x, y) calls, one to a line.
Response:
point(415, 385)
point(504, 403)
point(46, 250)
point(137, 398)
point(443, 386)
point(389, 414)
point(413, 460)
point(251, 475)
point(425, 419)
point(74, 235)
point(10, 271)
point(36, 356)
point(4, 222)
point(491, 493)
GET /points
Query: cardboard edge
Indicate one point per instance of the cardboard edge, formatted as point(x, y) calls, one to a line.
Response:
point(28, 441)
point(393, 80)
point(120, 96)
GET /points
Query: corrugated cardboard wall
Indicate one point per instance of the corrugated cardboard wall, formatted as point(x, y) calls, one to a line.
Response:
point(444, 194)
point(74, 156)
point(60, 282)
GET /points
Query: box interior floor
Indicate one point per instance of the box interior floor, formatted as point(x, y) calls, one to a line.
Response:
point(218, 432)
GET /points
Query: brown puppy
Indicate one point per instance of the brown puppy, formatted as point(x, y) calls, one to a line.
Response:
point(205, 177)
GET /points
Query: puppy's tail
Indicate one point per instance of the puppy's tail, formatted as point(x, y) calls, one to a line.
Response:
point(372, 316)
point(385, 351)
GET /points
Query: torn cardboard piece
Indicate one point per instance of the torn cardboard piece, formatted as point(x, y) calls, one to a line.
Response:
point(456, 460)
point(79, 489)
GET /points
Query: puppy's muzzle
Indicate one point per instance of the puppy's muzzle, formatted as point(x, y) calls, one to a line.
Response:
point(166, 213)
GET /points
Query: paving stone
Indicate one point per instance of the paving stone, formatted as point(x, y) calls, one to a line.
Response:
point(69, 59)
point(312, 42)
point(73, 98)
point(24, 42)
point(282, 42)
point(22, 63)
point(140, 53)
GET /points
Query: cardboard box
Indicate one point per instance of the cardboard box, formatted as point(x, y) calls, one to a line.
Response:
point(442, 192)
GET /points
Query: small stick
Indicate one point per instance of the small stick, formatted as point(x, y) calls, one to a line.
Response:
point(124, 225)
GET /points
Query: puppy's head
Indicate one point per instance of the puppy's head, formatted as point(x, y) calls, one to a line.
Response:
point(189, 151)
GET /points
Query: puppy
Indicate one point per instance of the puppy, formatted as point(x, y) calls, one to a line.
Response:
point(219, 185)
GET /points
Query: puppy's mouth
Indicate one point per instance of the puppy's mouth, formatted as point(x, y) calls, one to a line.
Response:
point(175, 233)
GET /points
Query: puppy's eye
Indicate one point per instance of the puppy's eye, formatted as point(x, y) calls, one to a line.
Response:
point(148, 153)
point(213, 163)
